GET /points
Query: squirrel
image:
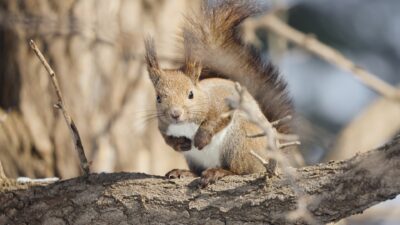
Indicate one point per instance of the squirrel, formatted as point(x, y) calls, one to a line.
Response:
point(191, 100)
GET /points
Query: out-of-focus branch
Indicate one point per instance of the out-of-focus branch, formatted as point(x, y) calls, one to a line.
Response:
point(332, 191)
point(278, 46)
point(380, 118)
point(311, 44)
point(61, 105)
point(3, 116)
point(274, 138)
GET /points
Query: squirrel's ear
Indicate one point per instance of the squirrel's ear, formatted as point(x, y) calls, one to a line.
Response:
point(192, 66)
point(153, 66)
point(193, 70)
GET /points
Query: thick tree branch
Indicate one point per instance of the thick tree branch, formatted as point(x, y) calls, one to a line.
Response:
point(336, 190)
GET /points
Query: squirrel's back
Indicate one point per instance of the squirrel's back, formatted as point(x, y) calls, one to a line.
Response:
point(214, 38)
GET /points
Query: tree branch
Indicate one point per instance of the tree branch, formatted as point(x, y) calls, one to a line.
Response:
point(61, 105)
point(311, 44)
point(382, 115)
point(334, 191)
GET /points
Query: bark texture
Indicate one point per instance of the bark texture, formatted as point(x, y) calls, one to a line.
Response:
point(336, 189)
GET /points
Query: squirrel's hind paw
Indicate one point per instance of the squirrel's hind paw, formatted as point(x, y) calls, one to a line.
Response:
point(210, 176)
point(178, 173)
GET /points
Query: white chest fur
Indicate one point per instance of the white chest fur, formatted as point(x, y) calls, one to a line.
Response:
point(183, 130)
point(209, 156)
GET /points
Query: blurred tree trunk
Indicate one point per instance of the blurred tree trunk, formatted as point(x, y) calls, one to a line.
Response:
point(95, 48)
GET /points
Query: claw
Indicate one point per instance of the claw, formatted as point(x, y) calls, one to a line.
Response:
point(210, 176)
point(178, 173)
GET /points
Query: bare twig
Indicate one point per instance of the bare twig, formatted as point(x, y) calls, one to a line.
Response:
point(27, 180)
point(275, 156)
point(286, 137)
point(311, 44)
point(290, 143)
point(268, 131)
point(282, 120)
point(61, 105)
point(263, 161)
point(257, 135)
point(2, 174)
point(262, 122)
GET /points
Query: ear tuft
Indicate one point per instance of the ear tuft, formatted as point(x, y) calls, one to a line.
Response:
point(192, 66)
point(153, 66)
point(151, 54)
point(193, 70)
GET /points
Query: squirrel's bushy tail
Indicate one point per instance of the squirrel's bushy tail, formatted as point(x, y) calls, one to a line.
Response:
point(214, 38)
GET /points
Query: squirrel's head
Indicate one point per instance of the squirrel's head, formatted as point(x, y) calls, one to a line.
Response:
point(178, 96)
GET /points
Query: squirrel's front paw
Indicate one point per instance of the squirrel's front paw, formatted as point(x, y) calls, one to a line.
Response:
point(184, 144)
point(202, 138)
point(179, 143)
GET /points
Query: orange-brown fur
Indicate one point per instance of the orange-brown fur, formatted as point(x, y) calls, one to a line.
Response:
point(213, 39)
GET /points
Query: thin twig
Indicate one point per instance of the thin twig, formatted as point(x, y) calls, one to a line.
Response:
point(283, 120)
point(27, 180)
point(261, 159)
point(2, 174)
point(257, 135)
point(263, 124)
point(274, 155)
point(282, 137)
point(290, 143)
point(311, 44)
point(61, 105)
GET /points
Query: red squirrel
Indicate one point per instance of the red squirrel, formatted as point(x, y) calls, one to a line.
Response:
point(191, 100)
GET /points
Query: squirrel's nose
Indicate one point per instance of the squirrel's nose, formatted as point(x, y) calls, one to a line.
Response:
point(175, 113)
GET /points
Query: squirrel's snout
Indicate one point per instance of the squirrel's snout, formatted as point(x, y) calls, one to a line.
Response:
point(176, 113)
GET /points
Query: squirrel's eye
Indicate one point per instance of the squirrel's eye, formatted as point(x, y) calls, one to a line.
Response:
point(158, 99)
point(190, 95)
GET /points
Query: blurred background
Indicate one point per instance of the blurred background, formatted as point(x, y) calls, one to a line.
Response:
point(96, 49)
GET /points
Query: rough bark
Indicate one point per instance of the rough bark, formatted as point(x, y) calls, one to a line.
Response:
point(337, 190)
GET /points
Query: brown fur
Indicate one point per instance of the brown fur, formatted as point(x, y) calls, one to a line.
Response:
point(213, 39)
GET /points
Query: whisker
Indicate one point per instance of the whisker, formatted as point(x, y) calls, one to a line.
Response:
point(149, 119)
point(141, 111)
point(196, 111)
point(147, 116)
